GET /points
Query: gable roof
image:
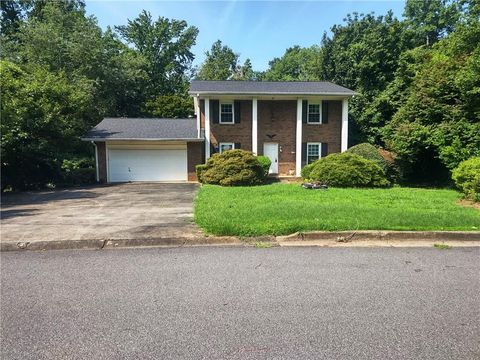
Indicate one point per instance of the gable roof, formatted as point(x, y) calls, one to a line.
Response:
point(143, 129)
point(268, 87)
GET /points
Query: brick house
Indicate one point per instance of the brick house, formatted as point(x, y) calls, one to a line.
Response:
point(293, 123)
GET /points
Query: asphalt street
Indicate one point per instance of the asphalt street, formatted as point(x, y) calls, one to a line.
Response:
point(241, 303)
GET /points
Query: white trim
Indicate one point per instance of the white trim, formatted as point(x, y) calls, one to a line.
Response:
point(319, 150)
point(292, 93)
point(225, 143)
point(220, 103)
point(207, 128)
point(254, 126)
point(344, 144)
point(319, 103)
point(298, 139)
point(97, 175)
point(197, 112)
point(140, 139)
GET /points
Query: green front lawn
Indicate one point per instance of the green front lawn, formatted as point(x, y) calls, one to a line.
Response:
point(287, 208)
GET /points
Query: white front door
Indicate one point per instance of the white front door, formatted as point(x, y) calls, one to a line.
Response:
point(147, 165)
point(271, 151)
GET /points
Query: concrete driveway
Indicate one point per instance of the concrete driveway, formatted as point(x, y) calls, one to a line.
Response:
point(112, 212)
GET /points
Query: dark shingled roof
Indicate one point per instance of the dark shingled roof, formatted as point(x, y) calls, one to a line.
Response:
point(143, 128)
point(268, 87)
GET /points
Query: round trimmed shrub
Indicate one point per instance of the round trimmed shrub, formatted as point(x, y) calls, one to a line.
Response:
point(306, 171)
point(369, 152)
point(233, 168)
point(467, 178)
point(348, 170)
point(265, 162)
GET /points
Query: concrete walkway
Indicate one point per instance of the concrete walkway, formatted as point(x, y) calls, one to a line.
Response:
point(123, 211)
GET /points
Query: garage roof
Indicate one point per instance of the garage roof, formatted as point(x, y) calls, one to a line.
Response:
point(268, 88)
point(143, 129)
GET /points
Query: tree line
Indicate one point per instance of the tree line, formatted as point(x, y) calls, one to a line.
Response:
point(417, 78)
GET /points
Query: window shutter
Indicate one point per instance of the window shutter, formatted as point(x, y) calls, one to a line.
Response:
point(237, 146)
point(324, 112)
point(236, 109)
point(304, 110)
point(214, 111)
point(324, 149)
point(304, 152)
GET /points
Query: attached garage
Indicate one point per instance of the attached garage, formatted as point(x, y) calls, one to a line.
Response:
point(148, 164)
point(128, 149)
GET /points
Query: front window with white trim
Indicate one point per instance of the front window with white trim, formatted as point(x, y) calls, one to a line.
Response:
point(226, 113)
point(314, 113)
point(225, 147)
point(314, 152)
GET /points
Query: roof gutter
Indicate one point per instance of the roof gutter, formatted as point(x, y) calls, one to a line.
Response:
point(198, 93)
point(142, 139)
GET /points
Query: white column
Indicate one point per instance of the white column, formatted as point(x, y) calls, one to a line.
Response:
point(298, 147)
point(344, 145)
point(97, 175)
point(254, 127)
point(207, 128)
point(196, 101)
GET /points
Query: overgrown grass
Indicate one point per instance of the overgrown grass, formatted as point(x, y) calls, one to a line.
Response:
point(281, 209)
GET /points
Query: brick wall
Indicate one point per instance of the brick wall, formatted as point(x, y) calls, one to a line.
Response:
point(330, 133)
point(277, 124)
point(195, 156)
point(102, 161)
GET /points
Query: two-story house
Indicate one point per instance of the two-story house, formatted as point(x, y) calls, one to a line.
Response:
point(293, 123)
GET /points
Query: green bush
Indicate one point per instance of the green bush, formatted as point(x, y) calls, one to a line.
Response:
point(467, 178)
point(348, 170)
point(199, 169)
point(81, 176)
point(306, 171)
point(265, 162)
point(369, 152)
point(233, 168)
point(77, 171)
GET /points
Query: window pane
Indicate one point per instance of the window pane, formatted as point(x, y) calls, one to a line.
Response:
point(313, 150)
point(314, 117)
point(227, 118)
point(313, 108)
point(227, 108)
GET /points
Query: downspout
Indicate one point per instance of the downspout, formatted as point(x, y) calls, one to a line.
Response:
point(97, 175)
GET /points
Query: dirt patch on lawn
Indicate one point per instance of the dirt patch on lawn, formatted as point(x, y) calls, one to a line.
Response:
point(468, 203)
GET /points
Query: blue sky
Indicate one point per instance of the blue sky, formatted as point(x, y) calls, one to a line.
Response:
point(259, 30)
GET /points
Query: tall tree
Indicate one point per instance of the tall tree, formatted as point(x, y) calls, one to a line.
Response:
point(296, 64)
point(220, 63)
point(431, 19)
point(166, 45)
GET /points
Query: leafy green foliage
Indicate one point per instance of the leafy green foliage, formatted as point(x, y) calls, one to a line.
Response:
point(296, 64)
point(220, 63)
point(467, 178)
point(42, 115)
point(348, 170)
point(165, 44)
point(369, 152)
point(170, 106)
point(265, 162)
point(199, 169)
point(306, 171)
point(233, 168)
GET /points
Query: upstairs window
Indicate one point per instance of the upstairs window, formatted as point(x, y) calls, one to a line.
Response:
point(313, 114)
point(226, 113)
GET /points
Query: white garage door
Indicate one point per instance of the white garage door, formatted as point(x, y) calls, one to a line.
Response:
point(147, 165)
